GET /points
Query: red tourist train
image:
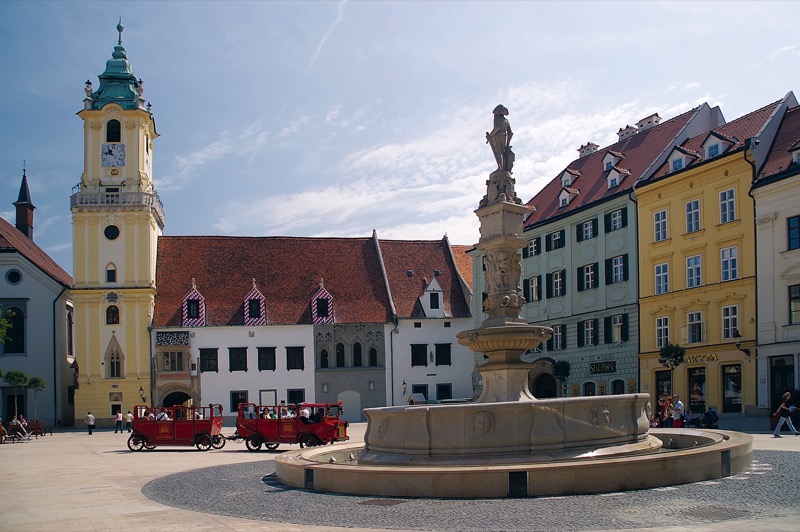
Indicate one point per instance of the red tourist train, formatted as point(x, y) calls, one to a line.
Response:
point(200, 426)
point(307, 424)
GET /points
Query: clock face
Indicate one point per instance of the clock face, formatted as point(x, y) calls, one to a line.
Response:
point(112, 155)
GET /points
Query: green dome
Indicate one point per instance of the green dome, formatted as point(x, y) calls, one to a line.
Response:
point(118, 84)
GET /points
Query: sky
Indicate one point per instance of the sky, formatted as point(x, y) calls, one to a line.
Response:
point(337, 118)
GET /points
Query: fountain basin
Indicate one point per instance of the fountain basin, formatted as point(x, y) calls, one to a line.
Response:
point(696, 455)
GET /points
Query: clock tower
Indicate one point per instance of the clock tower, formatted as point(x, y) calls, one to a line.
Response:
point(117, 218)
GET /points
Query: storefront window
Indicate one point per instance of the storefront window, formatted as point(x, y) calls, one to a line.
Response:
point(663, 384)
point(732, 388)
point(697, 389)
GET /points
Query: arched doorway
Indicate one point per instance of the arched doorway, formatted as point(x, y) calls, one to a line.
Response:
point(176, 398)
point(545, 386)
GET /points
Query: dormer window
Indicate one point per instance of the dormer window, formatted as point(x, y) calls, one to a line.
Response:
point(713, 150)
point(566, 182)
point(609, 164)
point(322, 310)
point(677, 164)
point(613, 181)
point(255, 308)
point(564, 202)
point(194, 308)
point(434, 300)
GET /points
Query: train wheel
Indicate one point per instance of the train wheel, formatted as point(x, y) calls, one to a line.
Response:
point(271, 446)
point(203, 442)
point(149, 446)
point(308, 440)
point(253, 443)
point(218, 441)
point(135, 443)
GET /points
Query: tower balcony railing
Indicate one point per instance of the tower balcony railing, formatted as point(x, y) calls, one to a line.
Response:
point(119, 201)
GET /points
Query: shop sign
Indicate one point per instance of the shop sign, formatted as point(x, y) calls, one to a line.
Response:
point(603, 367)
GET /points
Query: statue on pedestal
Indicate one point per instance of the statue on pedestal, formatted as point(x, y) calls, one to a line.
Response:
point(499, 138)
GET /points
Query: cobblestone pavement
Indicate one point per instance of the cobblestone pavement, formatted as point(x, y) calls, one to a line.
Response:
point(74, 482)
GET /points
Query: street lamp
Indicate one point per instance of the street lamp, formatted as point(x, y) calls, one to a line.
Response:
point(405, 386)
point(738, 339)
point(141, 394)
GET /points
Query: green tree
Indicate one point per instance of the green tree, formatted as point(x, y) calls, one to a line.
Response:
point(37, 384)
point(5, 324)
point(561, 370)
point(16, 379)
point(671, 356)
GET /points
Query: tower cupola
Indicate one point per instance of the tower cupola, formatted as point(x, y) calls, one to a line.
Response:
point(117, 84)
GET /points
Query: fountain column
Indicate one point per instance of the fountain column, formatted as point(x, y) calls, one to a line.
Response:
point(504, 335)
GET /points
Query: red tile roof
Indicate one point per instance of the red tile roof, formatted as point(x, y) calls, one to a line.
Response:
point(639, 151)
point(412, 265)
point(787, 138)
point(463, 262)
point(287, 271)
point(737, 130)
point(12, 239)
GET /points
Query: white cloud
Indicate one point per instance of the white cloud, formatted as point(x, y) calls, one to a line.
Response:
point(338, 20)
point(789, 49)
point(690, 86)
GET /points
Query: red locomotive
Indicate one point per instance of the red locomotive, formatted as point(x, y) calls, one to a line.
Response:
point(307, 424)
point(200, 426)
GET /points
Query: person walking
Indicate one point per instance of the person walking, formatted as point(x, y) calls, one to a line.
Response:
point(784, 411)
point(118, 422)
point(89, 420)
point(129, 421)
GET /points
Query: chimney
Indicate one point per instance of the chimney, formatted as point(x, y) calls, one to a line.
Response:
point(24, 207)
point(646, 123)
point(626, 132)
point(588, 149)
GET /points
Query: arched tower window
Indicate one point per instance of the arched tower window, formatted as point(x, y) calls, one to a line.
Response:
point(15, 342)
point(112, 315)
point(114, 360)
point(357, 362)
point(113, 131)
point(111, 274)
point(373, 357)
point(340, 355)
point(323, 359)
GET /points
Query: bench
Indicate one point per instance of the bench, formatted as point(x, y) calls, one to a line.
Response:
point(37, 428)
point(14, 434)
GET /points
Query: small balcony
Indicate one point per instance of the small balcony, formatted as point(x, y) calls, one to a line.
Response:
point(118, 201)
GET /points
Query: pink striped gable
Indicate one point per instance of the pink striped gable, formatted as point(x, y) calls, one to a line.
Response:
point(322, 306)
point(261, 317)
point(194, 308)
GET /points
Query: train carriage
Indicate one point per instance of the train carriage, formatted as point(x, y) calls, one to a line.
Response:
point(307, 424)
point(200, 426)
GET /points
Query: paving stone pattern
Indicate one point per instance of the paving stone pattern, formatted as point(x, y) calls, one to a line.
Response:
point(250, 490)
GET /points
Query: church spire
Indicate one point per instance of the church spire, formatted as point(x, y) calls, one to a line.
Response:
point(117, 84)
point(24, 221)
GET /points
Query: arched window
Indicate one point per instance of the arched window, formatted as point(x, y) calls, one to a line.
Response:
point(323, 358)
point(112, 315)
point(15, 342)
point(113, 131)
point(111, 274)
point(114, 366)
point(339, 355)
point(357, 355)
point(588, 388)
point(373, 357)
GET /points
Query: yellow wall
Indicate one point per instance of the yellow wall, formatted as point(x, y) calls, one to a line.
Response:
point(671, 193)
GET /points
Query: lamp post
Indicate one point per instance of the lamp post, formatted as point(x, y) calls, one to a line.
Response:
point(405, 386)
point(738, 339)
point(141, 394)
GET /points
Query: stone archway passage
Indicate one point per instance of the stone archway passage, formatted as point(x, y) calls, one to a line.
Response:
point(545, 386)
point(176, 398)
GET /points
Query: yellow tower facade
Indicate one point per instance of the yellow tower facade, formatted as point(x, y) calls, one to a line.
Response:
point(117, 218)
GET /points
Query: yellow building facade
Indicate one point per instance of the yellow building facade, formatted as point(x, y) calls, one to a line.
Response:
point(117, 218)
point(697, 276)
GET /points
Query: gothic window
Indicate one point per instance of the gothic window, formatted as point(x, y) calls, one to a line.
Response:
point(112, 315)
point(324, 361)
point(114, 366)
point(357, 359)
point(340, 355)
point(373, 357)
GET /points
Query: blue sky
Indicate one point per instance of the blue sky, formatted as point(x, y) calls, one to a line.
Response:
point(337, 118)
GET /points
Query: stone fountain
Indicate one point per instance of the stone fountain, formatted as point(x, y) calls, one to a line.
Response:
point(507, 442)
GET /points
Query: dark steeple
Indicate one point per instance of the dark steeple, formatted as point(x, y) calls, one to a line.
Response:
point(24, 207)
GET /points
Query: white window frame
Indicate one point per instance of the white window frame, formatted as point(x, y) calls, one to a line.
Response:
point(729, 263)
point(558, 284)
point(589, 277)
point(713, 150)
point(609, 164)
point(694, 271)
point(662, 331)
point(532, 247)
point(662, 278)
point(616, 220)
point(616, 328)
point(555, 240)
point(617, 269)
point(534, 288)
point(564, 202)
point(694, 322)
point(677, 164)
point(693, 216)
point(588, 230)
point(727, 206)
point(730, 321)
point(588, 333)
point(660, 225)
point(558, 337)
